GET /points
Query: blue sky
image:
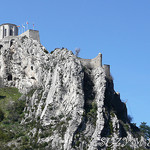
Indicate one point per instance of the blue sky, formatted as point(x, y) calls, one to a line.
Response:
point(119, 29)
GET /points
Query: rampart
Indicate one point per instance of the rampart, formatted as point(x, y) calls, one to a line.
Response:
point(7, 41)
point(107, 70)
point(92, 63)
point(34, 34)
point(95, 63)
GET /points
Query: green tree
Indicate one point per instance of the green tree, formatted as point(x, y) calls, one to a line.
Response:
point(145, 129)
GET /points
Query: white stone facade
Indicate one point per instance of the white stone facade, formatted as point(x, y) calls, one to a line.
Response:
point(34, 34)
point(8, 29)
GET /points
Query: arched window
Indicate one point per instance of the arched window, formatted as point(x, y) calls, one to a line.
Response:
point(5, 32)
point(11, 32)
point(9, 77)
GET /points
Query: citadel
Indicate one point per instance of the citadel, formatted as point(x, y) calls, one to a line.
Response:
point(8, 35)
point(9, 32)
point(70, 102)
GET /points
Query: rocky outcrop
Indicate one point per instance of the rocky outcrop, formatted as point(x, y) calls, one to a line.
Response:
point(73, 106)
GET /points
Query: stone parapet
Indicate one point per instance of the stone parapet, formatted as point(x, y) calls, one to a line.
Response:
point(92, 63)
point(34, 34)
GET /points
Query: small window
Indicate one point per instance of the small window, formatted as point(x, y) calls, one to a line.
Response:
point(5, 32)
point(9, 77)
point(31, 67)
point(11, 32)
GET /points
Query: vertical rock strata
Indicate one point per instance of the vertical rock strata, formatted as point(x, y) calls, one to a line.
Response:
point(73, 105)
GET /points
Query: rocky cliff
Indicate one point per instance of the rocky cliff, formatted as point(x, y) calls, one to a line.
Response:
point(68, 105)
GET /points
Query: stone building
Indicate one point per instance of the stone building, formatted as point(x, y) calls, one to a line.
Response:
point(8, 29)
point(34, 34)
point(9, 32)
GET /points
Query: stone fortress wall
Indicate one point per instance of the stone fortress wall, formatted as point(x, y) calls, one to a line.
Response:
point(107, 69)
point(7, 41)
point(95, 63)
point(9, 32)
point(34, 34)
point(92, 63)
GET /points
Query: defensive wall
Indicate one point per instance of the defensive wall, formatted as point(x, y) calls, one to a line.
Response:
point(92, 63)
point(10, 31)
point(34, 34)
point(95, 63)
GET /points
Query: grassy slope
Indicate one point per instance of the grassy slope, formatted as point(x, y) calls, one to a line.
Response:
point(12, 110)
point(8, 95)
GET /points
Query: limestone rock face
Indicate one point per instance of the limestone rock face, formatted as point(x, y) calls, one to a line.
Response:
point(23, 64)
point(73, 105)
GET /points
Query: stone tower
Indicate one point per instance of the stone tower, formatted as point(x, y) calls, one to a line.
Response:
point(8, 29)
